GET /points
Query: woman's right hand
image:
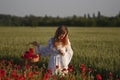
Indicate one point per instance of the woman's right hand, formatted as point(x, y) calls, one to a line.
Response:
point(34, 43)
point(61, 52)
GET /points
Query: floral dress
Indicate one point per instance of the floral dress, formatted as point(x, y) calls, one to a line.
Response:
point(56, 59)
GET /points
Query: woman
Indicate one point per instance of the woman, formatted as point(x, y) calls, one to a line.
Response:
point(59, 47)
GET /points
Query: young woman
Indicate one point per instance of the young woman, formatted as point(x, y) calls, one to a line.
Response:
point(59, 47)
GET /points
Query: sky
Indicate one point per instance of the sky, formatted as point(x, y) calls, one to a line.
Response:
point(61, 8)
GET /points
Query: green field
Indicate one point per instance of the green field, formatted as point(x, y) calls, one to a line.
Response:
point(98, 48)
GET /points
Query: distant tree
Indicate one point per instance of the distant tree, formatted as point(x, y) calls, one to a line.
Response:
point(85, 16)
point(86, 20)
point(99, 14)
point(88, 16)
point(94, 15)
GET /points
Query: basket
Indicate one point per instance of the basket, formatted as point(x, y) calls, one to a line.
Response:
point(35, 58)
point(30, 56)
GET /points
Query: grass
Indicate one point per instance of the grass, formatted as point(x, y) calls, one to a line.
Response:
point(96, 47)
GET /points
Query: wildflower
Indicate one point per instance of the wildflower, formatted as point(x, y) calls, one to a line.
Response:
point(46, 76)
point(36, 72)
point(70, 69)
point(98, 77)
point(64, 69)
point(70, 66)
point(21, 77)
point(90, 70)
point(7, 78)
point(14, 73)
point(2, 73)
point(54, 77)
point(18, 66)
point(61, 78)
point(57, 66)
point(35, 56)
point(83, 69)
point(29, 74)
point(31, 50)
point(9, 62)
point(110, 74)
point(49, 71)
point(82, 66)
point(27, 66)
point(3, 61)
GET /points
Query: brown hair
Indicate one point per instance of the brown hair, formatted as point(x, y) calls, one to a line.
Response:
point(60, 30)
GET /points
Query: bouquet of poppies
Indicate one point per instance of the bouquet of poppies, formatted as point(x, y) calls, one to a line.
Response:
point(30, 55)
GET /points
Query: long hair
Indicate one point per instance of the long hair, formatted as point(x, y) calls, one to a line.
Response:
point(60, 30)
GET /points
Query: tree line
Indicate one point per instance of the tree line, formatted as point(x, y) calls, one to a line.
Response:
point(86, 20)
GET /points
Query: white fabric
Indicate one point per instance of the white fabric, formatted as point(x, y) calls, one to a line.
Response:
point(56, 58)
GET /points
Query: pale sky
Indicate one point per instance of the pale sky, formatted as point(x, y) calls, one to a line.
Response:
point(60, 8)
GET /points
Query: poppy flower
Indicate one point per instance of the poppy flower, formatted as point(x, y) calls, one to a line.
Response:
point(31, 50)
point(70, 69)
point(7, 78)
point(82, 66)
point(29, 74)
point(2, 73)
point(49, 71)
point(64, 69)
point(36, 72)
point(98, 77)
point(110, 74)
point(46, 76)
point(57, 66)
point(90, 70)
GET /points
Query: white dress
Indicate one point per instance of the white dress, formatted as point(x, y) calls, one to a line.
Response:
point(56, 59)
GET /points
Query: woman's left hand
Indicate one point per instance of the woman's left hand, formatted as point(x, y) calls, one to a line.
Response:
point(34, 43)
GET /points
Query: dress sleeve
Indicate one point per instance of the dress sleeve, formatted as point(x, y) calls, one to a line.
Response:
point(44, 50)
point(69, 53)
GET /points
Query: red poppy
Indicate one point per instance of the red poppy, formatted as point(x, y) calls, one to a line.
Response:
point(54, 77)
point(46, 76)
point(57, 66)
point(90, 70)
point(35, 56)
point(29, 74)
point(18, 66)
point(3, 61)
point(2, 73)
point(70, 69)
point(14, 73)
point(7, 79)
point(36, 72)
point(82, 65)
point(27, 66)
point(21, 77)
point(61, 78)
point(70, 66)
point(28, 56)
point(98, 77)
point(64, 69)
point(110, 74)
point(9, 62)
point(31, 50)
point(49, 71)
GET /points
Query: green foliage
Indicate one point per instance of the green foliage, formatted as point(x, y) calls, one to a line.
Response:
point(31, 20)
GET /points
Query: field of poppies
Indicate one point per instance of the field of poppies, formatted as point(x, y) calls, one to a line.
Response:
point(96, 54)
